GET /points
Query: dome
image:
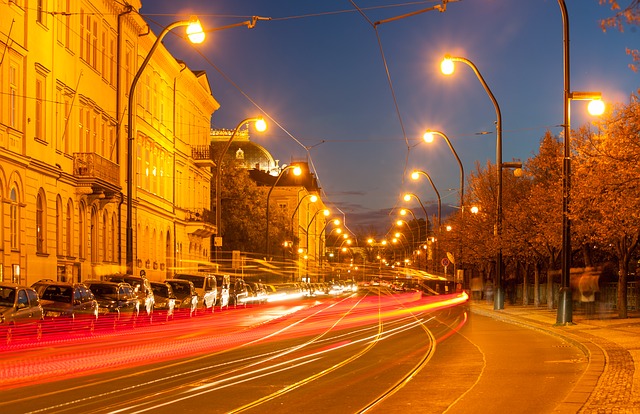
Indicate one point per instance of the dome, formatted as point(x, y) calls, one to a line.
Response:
point(250, 154)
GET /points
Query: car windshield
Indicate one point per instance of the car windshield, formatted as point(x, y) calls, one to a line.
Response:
point(160, 290)
point(7, 296)
point(57, 294)
point(180, 289)
point(104, 291)
point(196, 280)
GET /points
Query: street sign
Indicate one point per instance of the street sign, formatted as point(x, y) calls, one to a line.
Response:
point(444, 262)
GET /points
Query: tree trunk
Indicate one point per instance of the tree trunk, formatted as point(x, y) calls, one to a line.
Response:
point(622, 287)
point(525, 285)
point(536, 284)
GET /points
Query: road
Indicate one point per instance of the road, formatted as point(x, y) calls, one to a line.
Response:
point(371, 352)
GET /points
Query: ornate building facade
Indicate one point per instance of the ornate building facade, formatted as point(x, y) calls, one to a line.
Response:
point(65, 78)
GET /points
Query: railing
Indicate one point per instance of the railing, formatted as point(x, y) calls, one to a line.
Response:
point(201, 152)
point(201, 215)
point(91, 165)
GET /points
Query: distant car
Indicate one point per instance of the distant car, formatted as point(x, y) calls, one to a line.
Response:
point(238, 293)
point(117, 302)
point(186, 296)
point(20, 312)
point(142, 288)
point(257, 293)
point(207, 287)
point(67, 306)
point(165, 299)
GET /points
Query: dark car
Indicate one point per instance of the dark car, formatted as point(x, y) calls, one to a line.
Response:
point(165, 299)
point(117, 302)
point(67, 306)
point(20, 312)
point(142, 288)
point(186, 296)
point(238, 293)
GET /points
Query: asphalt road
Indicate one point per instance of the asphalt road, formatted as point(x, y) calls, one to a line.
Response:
point(491, 366)
point(326, 356)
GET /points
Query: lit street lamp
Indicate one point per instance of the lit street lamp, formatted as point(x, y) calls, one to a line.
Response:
point(312, 199)
point(415, 175)
point(296, 171)
point(428, 137)
point(196, 35)
point(596, 107)
point(260, 126)
point(447, 67)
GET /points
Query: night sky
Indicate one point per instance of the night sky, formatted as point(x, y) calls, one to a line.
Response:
point(355, 98)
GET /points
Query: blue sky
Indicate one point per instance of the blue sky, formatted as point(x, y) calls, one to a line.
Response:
point(317, 70)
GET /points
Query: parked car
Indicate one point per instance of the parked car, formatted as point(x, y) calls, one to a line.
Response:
point(165, 299)
point(117, 302)
point(67, 306)
point(222, 282)
point(20, 312)
point(257, 292)
point(142, 288)
point(238, 293)
point(186, 296)
point(206, 286)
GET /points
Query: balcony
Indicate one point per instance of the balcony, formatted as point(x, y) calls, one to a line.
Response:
point(200, 222)
point(201, 155)
point(96, 172)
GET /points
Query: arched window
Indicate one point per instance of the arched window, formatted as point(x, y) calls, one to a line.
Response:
point(14, 219)
point(69, 229)
point(82, 242)
point(40, 224)
point(113, 256)
point(95, 241)
point(105, 238)
point(59, 227)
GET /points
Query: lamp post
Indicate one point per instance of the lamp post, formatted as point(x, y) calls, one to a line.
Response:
point(335, 222)
point(596, 107)
point(196, 35)
point(296, 171)
point(326, 214)
point(313, 199)
point(428, 137)
point(447, 68)
point(415, 175)
point(261, 126)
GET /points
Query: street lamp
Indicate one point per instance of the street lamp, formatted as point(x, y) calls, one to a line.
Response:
point(326, 214)
point(296, 171)
point(196, 35)
point(407, 197)
point(447, 66)
point(312, 198)
point(415, 175)
point(429, 137)
point(260, 126)
point(335, 222)
point(596, 107)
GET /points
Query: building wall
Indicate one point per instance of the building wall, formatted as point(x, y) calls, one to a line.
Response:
point(63, 92)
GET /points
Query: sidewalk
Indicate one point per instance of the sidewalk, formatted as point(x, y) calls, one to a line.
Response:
point(611, 382)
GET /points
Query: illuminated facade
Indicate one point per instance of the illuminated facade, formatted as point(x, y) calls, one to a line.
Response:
point(65, 75)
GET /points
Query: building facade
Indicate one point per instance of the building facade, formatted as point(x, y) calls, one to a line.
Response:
point(66, 68)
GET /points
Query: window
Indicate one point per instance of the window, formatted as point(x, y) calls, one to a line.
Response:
point(81, 232)
point(40, 224)
point(69, 229)
point(59, 227)
point(14, 218)
point(41, 15)
point(40, 111)
point(13, 96)
point(105, 238)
